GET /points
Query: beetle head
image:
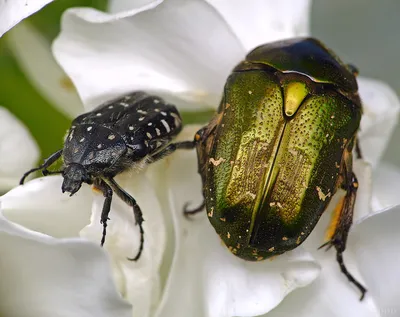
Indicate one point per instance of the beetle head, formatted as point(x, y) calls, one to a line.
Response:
point(74, 176)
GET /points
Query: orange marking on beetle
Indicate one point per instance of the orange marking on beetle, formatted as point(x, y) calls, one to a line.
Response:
point(335, 220)
point(227, 105)
point(96, 190)
point(260, 258)
point(211, 213)
point(271, 249)
point(222, 219)
point(284, 238)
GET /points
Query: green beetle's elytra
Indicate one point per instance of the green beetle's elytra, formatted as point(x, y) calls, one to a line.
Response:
point(278, 149)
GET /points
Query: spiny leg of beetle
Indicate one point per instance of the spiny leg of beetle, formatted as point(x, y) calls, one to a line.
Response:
point(343, 218)
point(107, 192)
point(189, 212)
point(171, 148)
point(127, 198)
point(358, 150)
point(47, 162)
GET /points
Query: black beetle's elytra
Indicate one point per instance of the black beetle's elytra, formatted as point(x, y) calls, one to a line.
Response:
point(118, 135)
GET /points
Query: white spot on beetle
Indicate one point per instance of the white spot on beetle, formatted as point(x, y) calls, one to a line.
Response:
point(216, 162)
point(71, 135)
point(130, 127)
point(150, 124)
point(149, 135)
point(73, 127)
point(146, 143)
point(321, 195)
point(250, 92)
point(111, 137)
point(81, 140)
point(110, 107)
point(141, 118)
point(124, 104)
point(158, 131)
point(177, 120)
point(98, 114)
point(142, 111)
point(99, 146)
point(89, 128)
point(163, 113)
point(166, 126)
point(157, 110)
point(156, 101)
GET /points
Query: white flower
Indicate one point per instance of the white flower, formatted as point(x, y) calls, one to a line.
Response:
point(18, 151)
point(184, 51)
point(12, 12)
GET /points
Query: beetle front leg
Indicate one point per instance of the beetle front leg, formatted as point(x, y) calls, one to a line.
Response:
point(107, 192)
point(47, 162)
point(171, 148)
point(128, 199)
point(343, 218)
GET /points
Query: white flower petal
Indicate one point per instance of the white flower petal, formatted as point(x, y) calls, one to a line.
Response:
point(265, 21)
point(137, 281)
point(119, 6)
point(41, 206)
point(18, 151)
point(375, 242)
point(221, 284)
point(33, 53)
point(179, 48)
point(386, 186)
point(11, 12)
point(381, 109)
point(46, 277)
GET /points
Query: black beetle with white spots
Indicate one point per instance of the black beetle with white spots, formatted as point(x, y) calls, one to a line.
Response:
point(118, 135)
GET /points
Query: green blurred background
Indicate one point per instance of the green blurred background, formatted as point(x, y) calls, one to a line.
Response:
point(363, 32)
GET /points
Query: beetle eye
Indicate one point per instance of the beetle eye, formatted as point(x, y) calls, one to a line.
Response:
point(138, 149)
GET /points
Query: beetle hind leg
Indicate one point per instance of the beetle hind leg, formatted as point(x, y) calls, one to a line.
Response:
point(343, 218)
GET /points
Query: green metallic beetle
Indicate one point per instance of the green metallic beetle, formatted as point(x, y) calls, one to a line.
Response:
point(279, 147)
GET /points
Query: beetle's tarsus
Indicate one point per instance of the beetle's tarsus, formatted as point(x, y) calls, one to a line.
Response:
point(189, 212)
point(339, 259)
point(127, 198)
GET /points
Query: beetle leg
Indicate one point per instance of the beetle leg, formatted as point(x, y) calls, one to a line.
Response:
point(185, 145)
point(358, 150)
point(47, 162)
point(188, 212)
point(107, 192)
point(344, 218)
point(46, 172)
point(127, 198)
